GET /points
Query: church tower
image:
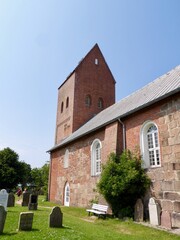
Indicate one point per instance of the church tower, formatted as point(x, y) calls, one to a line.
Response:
point(88, 89)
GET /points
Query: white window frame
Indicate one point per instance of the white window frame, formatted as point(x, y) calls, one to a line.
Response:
point(96, 147)
point(67, 195)
point(66, 159)
point(145, 149)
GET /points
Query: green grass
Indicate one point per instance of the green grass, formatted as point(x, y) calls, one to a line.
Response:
point(78, 226)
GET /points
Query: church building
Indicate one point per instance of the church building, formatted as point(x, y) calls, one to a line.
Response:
point(90, 126)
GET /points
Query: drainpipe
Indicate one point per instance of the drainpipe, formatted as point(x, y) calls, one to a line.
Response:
point(124, 133)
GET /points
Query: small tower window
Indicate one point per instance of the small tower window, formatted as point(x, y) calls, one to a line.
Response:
point(62, 106)
point(100, 103)
point(67, 102)
point(96, 61)
point(88, 100)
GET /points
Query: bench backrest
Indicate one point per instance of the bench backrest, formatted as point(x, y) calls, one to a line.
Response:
point(100, 207)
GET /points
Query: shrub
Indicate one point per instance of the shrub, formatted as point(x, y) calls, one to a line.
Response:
point(122, 182)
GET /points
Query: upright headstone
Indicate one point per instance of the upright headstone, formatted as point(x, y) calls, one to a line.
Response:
point(11, 200)
point(154, 212)
point(33, 202)
point(166, 219)
point(25, 221)
point(2, 218)
point(3, 198)
point(139, 211)
point(25, 199)
point(56, 217)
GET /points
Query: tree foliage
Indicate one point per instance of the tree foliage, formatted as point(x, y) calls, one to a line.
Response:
point(12, 171)
point(122, 182)
point(39, 177)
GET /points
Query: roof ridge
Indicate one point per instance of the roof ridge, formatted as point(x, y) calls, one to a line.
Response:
point(150, 83)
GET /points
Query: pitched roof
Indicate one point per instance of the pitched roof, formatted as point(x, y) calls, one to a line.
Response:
point(157, 90)
point(82, 60)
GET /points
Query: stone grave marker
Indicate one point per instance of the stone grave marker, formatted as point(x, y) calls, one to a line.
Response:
point(166, 219)
point(56, 217)
point(3, 198)
point(139, 211)
point(11, 200)
point(154, 212)
point(25, 199)
point(25, 221)
point(3, 214)
point(33, 202)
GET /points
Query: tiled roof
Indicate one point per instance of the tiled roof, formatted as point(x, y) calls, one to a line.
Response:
point(159, 89)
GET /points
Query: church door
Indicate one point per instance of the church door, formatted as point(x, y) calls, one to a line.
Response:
point(67, 195)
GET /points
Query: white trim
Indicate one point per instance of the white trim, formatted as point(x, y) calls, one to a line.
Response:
point(94, 160)
point(144, 145)
point(67, 195)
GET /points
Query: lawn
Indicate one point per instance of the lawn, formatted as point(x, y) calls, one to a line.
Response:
point(78, 225)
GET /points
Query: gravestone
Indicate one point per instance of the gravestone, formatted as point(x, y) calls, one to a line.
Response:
point(3, 198)
point(25, 199)
point(166, 219)
point(56, 217)
point(154, 212)
point(25, 221)
point(33, 202)
point(11, 200)
point(139, 211)
point(3, 214)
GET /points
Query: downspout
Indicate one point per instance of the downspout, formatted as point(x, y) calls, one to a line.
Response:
point(124, 133)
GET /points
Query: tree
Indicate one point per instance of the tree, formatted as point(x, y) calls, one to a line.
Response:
point(39, 177)
point(12, 171)
point(122, 182)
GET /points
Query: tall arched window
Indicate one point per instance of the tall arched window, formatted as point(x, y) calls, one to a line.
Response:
point(150, 145)
point(67, 194)
point(67, 102)
point(62, 106)
point(66, 159)
point(88, 101)
point(96, 157)
point(100, 103)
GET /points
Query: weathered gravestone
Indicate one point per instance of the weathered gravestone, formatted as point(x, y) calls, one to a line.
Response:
point(11, 200)
point(2, 218)
point(139, 211)
point(3, 198)
point(56, 218)
point(33, 202)
point(25, 221)
point(25, 199)
point(154, 212)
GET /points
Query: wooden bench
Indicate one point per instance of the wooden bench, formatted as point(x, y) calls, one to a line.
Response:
point(98, 209)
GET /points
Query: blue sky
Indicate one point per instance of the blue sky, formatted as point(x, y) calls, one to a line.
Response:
point(42, 41)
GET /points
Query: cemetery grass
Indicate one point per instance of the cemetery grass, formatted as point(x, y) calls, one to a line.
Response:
point(77, 225)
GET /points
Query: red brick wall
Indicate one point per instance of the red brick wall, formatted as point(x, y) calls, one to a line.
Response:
point(91, 79)
point(165, 179)
point(78, 174)
point(64, 120)
point(95, 80)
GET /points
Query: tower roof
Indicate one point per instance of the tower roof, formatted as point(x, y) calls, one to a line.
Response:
point(82, 60)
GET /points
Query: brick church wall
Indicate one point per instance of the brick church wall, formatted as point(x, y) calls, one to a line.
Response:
point(78, 174)
point(165, 179)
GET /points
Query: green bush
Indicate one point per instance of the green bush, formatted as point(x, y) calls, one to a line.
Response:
point(122, 182)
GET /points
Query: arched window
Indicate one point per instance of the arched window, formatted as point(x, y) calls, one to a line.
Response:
point(96, 157)
point(88, 101)
point(66, 159)
point(150, 145)
point(100, 103)
point(62, 106)
point(67, 195)
point(67, 102)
